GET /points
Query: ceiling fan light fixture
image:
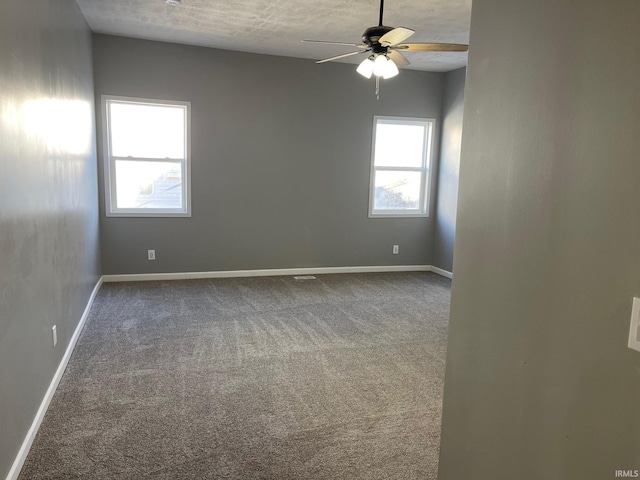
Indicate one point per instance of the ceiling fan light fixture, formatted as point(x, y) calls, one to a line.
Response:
point(366, 68)
point(385, 48)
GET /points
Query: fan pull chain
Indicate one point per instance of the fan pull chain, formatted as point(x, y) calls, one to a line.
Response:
point(377, 88)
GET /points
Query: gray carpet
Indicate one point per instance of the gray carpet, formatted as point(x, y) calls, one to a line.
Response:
point(254, 378)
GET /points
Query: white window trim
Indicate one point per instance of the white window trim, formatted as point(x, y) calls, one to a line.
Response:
point(425, 184)
point(109, 164)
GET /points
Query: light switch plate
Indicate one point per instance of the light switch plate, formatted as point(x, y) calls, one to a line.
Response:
point(634, 330)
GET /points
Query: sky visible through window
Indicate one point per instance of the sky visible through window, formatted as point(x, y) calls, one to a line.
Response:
point(141, 133)
point(398, 146)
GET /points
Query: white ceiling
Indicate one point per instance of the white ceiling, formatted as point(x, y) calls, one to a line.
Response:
point(277, 27)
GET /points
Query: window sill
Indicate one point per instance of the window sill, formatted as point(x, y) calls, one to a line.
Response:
point(398, 215)
point(148, 214)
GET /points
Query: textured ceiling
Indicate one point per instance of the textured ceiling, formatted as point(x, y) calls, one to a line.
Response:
point(277, 27)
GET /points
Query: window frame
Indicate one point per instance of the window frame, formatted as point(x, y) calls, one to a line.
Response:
point(424, 169)
point(110, 162)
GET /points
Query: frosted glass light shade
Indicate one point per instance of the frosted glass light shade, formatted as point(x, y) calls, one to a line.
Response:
point(365, 68)
point(390, 69)
point(379, 65)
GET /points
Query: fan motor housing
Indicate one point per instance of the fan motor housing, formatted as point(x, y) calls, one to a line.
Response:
point(371, 35)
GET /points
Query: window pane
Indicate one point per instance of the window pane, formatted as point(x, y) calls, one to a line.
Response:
point(148, 184)
point(399, 145)
point(147, 131)
point(397, 190)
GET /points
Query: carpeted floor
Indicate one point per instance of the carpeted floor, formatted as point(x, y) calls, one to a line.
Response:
point(255, 378)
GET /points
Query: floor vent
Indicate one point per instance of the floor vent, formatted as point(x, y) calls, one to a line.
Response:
point(304, 277)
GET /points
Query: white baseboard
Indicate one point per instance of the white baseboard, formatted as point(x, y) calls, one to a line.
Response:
point(140, 277)
point(442, 272)
point(35, 425)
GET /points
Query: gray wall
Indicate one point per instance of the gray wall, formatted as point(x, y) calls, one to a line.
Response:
point(449, 170)
point(281, 153)
point(539, 381)
point(48, 201)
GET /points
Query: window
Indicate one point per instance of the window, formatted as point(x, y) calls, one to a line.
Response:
point(400, 158)
point(147, 168)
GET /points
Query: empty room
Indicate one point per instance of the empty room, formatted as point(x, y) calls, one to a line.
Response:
point(319, 240)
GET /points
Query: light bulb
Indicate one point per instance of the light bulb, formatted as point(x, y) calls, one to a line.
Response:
point(379, 65)
point(365, 68)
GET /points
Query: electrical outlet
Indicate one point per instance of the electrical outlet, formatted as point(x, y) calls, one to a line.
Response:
point(396, 249)
point(151, 254)
point(54, 332)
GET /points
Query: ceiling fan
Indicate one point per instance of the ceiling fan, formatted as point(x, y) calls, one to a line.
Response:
point(384, 46)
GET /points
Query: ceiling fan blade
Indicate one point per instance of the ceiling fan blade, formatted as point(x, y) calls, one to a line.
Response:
point(431, 47)
point(359, 45)
point(340, 56)
point(395, 36)
point(399, 59)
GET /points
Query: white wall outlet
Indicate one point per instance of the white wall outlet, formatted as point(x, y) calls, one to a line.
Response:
point(396, 249)
point(634, 330)
point(54, 332)
point(151, 254)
